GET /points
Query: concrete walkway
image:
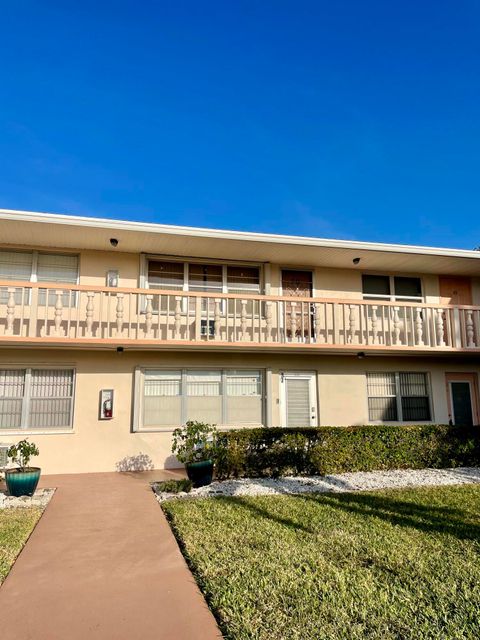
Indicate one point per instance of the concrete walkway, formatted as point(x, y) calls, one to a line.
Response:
point(103, 563)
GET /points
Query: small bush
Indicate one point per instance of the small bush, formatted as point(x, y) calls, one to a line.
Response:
point(273, 452)
point(174, 486)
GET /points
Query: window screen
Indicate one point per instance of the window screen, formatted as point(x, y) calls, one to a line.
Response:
point(204, 396)
point(244, 397)
point(162, 404)
point(387, 288)
point(376, 286)
point(218, 397)
point(408, 288)
point(205, 277)
point(243, 280)
point(165, 275)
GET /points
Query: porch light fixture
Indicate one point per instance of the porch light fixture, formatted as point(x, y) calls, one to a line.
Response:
point(356, 261)
point(113, 242)
point(120, 349)
point(361, 355)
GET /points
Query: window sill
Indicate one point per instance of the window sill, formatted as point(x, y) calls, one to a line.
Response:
point(179, 426)
point(35, 432)
point(398, 423)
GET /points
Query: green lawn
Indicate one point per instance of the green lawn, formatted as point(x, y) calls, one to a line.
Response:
point(15, 527)
point(388, 564)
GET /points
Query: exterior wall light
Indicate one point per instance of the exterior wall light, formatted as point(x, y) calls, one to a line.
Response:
point(113, 242)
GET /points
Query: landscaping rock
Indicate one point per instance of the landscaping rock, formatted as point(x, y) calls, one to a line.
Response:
point(358, 481)
point(40, 498)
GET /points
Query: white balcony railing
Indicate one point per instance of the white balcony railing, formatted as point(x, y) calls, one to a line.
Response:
point(82, 314)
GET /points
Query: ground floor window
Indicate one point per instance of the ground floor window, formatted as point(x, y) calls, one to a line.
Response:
point(224, 397)
point(398, 397)
point(36, 398)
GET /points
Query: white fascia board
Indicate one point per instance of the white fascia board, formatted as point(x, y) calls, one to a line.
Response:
point(222, 234)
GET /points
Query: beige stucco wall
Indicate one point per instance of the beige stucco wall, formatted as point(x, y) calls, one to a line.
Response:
point(95, 445)
point(327, 283)
point(95, 264)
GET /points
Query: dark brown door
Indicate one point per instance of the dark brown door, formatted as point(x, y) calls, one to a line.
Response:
point(455, 290)
point(299, 317)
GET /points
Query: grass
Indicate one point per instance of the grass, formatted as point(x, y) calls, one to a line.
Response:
point(389, 564)
point(174, 486)
point(15, 527)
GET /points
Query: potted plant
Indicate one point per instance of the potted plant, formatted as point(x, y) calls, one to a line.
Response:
point(195, 444)
point(23, 480)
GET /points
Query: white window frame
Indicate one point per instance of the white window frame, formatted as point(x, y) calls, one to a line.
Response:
point(393, 297)
point(398, 397)
point(27, 296)
point(145, 258)
point(26, 399)
point(35, 253)
point(139, 379)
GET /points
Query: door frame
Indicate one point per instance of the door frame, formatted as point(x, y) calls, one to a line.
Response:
point(472, 379)
point(306, 269)
point(299, 375)
point(282, 294)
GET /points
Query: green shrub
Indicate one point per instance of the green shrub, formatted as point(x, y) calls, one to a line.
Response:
point(174, 486)
point(273, 452)
point(195, 442)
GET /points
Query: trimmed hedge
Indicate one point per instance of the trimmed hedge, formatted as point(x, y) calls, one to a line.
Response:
point(274, 452)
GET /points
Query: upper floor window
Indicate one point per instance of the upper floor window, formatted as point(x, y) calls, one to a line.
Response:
point(203, 277)
point(33, 266)
point(392, 288)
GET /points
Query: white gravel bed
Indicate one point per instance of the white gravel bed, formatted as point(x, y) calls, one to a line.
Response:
point(359, 481)
point(40, 498)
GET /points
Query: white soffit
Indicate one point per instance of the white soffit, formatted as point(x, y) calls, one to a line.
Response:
point(22, 228)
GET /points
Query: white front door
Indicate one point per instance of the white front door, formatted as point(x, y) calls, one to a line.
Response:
point(299, 399)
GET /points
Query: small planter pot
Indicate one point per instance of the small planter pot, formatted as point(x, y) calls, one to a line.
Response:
point(22, 483)
point(200, 473)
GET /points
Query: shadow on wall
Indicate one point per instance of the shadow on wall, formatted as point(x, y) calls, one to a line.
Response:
point(140, 462)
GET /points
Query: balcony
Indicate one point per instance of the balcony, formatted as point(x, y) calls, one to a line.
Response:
point(66, 315)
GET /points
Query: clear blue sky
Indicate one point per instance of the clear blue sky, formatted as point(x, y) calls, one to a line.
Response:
point(338, 119)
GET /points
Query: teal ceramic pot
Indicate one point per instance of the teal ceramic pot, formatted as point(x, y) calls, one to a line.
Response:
point(200, 473)
point(22, 483)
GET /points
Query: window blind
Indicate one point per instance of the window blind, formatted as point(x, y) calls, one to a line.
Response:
point(219, 397)
point(15, 265)
point(57, 268)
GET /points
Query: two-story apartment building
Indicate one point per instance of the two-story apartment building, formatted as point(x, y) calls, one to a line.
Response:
point(236, 329)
